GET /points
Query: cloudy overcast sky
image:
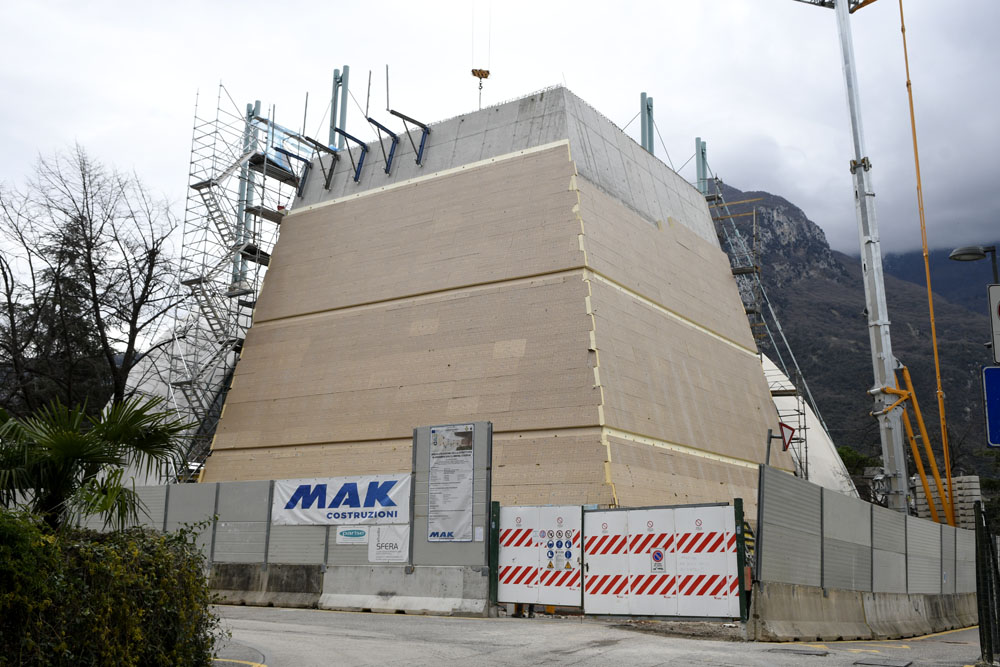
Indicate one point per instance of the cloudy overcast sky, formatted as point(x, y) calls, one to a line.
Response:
point(759, 80)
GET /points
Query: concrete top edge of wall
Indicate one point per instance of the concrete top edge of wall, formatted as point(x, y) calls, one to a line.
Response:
point(603, 153)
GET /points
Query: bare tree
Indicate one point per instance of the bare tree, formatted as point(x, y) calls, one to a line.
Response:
point(86, 278)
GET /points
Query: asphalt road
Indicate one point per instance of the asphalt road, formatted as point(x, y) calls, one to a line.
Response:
point(305, 637)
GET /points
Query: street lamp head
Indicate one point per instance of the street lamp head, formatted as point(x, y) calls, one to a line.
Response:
point(968, 253)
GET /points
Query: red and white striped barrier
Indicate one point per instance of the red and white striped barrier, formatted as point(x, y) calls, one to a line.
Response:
point(517, 537)
point(653, 584)
point(561, 578)
point(602, 545)
point(713, 542)
point(607, 584)
point(644, 543)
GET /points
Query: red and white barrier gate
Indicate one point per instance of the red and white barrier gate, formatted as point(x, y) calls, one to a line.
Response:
point(540, 555)
point(661, 561)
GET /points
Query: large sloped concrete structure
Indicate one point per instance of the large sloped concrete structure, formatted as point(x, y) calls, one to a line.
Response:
point(540, 271)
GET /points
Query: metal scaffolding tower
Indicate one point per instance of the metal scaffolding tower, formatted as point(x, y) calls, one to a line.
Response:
point(244, 172)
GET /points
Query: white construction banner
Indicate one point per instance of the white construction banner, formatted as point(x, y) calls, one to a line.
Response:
point(449, 489)
point(389, 544)
point(366, 499)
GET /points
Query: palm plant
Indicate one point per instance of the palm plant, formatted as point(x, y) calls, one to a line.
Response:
point(62, 464)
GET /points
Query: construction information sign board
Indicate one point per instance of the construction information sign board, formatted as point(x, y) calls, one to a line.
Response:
point(991, 404)
point(389, 544)
point(366, 499)
point(449, 493)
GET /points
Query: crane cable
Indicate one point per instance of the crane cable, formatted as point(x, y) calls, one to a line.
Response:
point(949, 499)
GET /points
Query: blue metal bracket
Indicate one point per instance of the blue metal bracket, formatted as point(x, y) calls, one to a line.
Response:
point(423, 137)
point(364, 151)
point(320, 149)
point(392, 149)
point(305, 169)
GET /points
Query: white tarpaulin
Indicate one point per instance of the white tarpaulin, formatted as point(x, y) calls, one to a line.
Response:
point(449, 495)
point(367, 499)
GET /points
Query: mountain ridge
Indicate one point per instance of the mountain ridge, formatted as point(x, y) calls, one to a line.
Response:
point(818, 295)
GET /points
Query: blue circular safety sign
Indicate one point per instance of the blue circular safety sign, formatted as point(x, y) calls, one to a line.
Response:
point(569, 554)
point(559, 544)
point(550, 545)
point(552, 554)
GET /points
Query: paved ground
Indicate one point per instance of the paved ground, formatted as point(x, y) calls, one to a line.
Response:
point(305, 637)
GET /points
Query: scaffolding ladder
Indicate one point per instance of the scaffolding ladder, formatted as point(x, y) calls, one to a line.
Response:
point(240, 183)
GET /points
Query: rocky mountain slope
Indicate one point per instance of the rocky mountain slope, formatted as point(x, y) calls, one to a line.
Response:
point(818, 296)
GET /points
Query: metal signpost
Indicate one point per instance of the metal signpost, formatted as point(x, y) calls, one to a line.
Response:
point(994, 298)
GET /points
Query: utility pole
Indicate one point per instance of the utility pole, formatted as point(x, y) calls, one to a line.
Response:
point(883, 362)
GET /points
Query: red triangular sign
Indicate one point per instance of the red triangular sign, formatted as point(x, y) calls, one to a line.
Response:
point(786, 435)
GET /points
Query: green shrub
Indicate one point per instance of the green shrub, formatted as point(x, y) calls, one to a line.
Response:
point(76, 597)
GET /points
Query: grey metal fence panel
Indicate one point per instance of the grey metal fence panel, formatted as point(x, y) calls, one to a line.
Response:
point(346, 554)
point(189, 504)
point(297, 544)
point(948, 539)
point(888, 550)
point(847, 553)
point(923, 556)
point(154, 500)
point(241, 532)
point(790, 544)
point(965, 561)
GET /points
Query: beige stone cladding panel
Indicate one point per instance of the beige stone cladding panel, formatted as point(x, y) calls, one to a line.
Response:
point(514, 353)
point(648, 475)
point(319, 460)
point(550, 468)
point(666, 263)
point(529, 468)
point(495, 222)
point(665, 379)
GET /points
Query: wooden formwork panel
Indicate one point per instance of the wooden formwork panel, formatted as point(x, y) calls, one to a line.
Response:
point(647, 475)
point(663, 261)
point(514, 354)
point(485, 224)
point(668, 380)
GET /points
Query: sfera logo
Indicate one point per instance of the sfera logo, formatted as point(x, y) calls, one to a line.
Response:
point(442, 535)
point(347, 496)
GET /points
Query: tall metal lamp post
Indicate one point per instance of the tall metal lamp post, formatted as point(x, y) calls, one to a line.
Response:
point(971, 253)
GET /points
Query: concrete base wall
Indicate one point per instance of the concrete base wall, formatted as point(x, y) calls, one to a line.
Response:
point(390, 588)
point(789, 612)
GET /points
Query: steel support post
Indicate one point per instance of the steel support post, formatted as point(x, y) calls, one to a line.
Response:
point(741, 577)
point(644, 132)
point(883, 362)
point(494, 554)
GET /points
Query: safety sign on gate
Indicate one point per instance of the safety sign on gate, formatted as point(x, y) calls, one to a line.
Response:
point(540, 555)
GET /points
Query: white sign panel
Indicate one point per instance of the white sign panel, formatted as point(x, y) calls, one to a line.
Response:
point(352, 534)
point(449, 491)
point(389, 544)
point(367, 499)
